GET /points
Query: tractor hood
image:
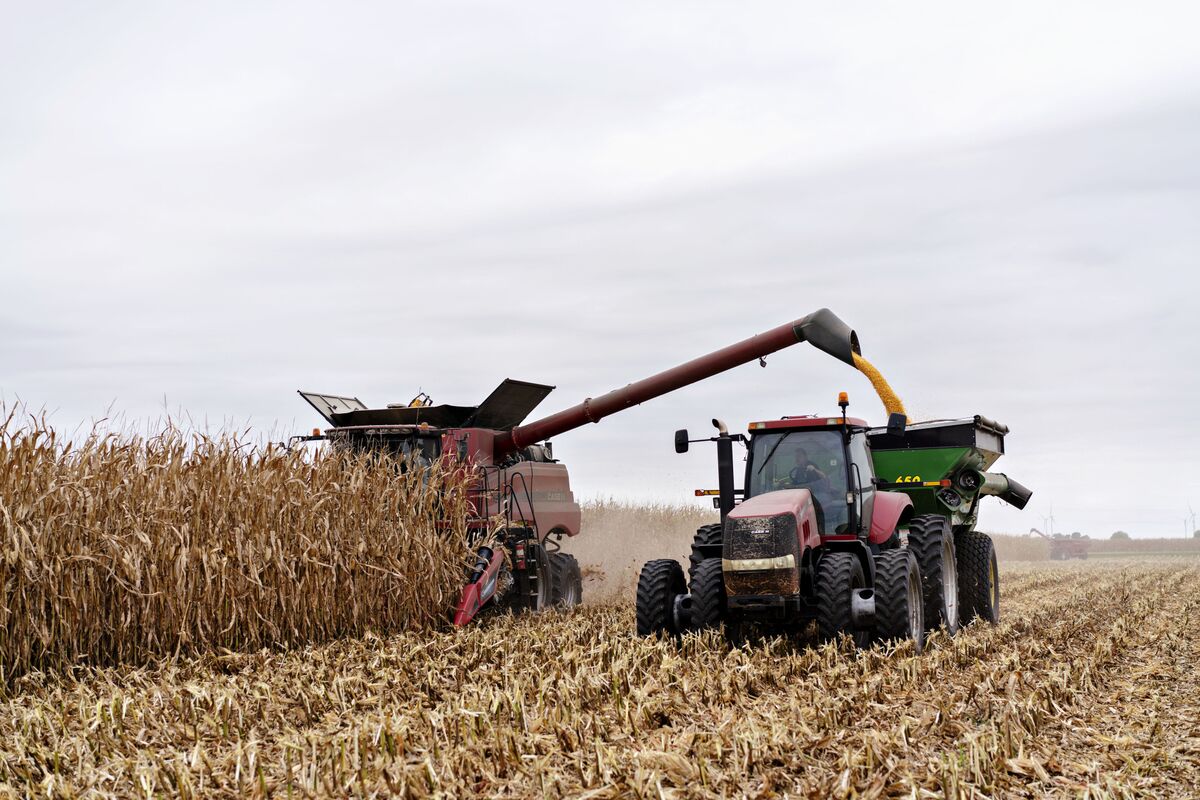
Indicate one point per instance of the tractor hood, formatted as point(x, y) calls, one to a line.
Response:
point(772, 504)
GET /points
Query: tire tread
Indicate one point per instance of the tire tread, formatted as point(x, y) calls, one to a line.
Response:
point(925, 536)
point(975, 556)
point(658, 583)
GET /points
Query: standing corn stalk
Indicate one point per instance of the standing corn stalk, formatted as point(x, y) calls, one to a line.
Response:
point(121, 548)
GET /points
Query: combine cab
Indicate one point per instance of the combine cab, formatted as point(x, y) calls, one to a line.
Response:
point(869, 532)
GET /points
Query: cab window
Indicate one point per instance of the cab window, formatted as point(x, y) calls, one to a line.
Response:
point(799, 459)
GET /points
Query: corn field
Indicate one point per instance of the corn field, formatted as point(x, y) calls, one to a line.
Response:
point(120, 548)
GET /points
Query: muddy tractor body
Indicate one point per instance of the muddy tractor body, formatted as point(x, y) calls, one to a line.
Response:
point(522, 505)
point(867, 532)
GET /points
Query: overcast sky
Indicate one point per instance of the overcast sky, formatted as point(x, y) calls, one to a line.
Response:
point(217, 204)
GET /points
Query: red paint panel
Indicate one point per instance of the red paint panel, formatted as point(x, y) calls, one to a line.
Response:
point(809, 422)
point(889, 507)
point(797, 502)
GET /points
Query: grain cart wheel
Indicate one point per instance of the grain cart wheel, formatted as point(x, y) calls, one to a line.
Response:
point(899, 601)
point(659, 584)
point(708, 595)
point(931, 540)
point(705, 545)
point(838, 575)
point(567, 587)
point(979, 584)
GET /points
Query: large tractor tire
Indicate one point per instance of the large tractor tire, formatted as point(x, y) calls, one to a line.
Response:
point(660, 582)
point(567, 586)
point(931, 540)
point(708, 595)
point(706, 545)
point(838, 575)
point(899, 601)
point(979, 577)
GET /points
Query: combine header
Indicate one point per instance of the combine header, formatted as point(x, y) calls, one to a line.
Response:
point(518, 481)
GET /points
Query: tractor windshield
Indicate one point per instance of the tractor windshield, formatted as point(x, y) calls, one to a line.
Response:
point(802, 459)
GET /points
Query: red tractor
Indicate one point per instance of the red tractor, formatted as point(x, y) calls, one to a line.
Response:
point(820, 534)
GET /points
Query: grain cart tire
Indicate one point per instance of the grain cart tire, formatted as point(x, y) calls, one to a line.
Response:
point(931, 540)
point(567, 588)
point(979, 577)
point(838, 575)
point(660, 582)
point(705, 545)
point(899, 601)
point(708, 595)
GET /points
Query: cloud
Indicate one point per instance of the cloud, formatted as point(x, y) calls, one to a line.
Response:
point(224, 206)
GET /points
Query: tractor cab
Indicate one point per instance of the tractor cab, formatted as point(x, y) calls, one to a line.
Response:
point(828, 456)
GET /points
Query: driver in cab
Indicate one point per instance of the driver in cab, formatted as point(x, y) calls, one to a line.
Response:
point(805, 474)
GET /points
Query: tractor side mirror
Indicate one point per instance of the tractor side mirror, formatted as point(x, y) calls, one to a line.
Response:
point(681, 440)
point(896, 424)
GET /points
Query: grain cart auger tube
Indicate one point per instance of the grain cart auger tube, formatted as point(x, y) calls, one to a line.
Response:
point(868, 532)
point(519, 488)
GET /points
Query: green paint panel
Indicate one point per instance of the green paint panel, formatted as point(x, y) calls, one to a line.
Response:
point(926, 464)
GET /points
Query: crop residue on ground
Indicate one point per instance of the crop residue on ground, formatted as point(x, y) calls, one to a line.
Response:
point(1087, 685)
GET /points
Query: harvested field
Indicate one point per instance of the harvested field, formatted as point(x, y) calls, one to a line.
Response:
point(1087, 687)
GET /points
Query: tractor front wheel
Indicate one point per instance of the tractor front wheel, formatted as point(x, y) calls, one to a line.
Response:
point(660, 582)
point(899, 601)
point(838, 575)
point(708, 595)
point(979, 577)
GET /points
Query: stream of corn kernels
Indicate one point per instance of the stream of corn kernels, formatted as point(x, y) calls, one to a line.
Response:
point(891, 400)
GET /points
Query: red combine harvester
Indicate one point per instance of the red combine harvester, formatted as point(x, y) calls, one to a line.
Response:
point(1063, 547)
point(517, 478)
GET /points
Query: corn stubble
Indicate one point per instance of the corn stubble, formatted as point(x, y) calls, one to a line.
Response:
point(121, 548)
point(1086, 688)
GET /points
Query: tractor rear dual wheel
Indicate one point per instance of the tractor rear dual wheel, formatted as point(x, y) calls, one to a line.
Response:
point(706, 546)
point(899, 600)
point(660, 582)
point(931, 540)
